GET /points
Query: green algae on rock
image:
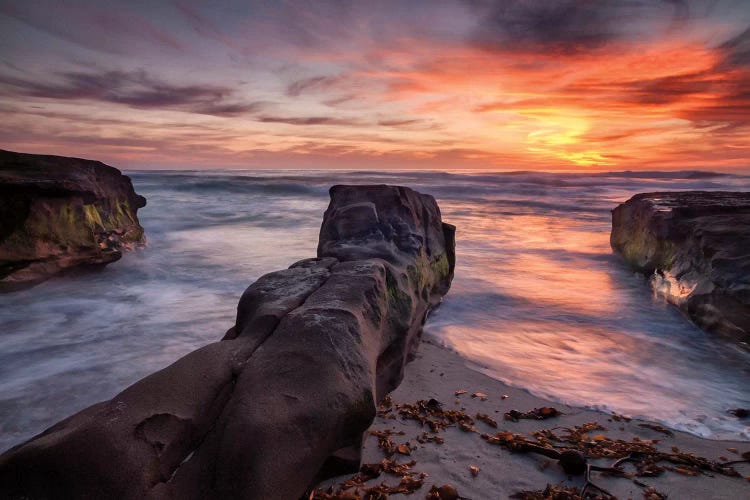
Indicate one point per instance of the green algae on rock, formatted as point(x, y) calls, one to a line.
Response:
point(286, 398)
point(57, 213)
point(694, 247)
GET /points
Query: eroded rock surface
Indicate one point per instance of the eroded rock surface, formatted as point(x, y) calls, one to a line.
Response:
point(284, 400)
point(58, 212)
point(695, 246)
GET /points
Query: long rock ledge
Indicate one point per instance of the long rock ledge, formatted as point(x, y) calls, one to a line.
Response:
point(285, 398)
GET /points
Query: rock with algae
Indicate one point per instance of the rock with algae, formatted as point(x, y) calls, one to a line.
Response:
point(58, 213)
point(695, 247)
point(285, 398)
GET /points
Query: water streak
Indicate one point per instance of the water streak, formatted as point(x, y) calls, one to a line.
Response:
point(538, 301)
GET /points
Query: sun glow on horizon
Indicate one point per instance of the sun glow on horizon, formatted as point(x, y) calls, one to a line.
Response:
point(453, 86)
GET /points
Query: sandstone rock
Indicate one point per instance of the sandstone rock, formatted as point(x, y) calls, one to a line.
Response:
point(58, 212)
point(695, 246)
point(284, 400)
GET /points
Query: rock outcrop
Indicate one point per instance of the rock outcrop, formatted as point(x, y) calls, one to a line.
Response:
point(695, 246)
point(58, 212)
point(285, 398)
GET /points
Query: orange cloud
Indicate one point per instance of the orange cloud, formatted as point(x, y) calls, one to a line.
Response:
point(625, 105)
point(409, 101)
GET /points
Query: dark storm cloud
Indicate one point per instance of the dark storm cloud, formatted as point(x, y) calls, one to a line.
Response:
point(568, 25)
point(134, 89)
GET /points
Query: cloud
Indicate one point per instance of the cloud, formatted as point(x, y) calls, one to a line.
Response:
point(737, 49)
point(399, 123)
point(569, 25)
point(203, 26)
point(309, 120)
point(135, 89)
point(445, 82)
point(316, 83)
point(670, 89)
point(91, 25)
point(338, 101)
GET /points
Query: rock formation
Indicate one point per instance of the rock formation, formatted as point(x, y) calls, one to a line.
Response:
point(695, 246)
point(285, 398)
point(58, 212)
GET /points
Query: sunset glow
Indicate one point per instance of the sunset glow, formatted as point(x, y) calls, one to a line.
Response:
point(449, 84)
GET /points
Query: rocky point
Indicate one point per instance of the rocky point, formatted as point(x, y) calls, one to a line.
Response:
point(285, 398)
point(58, 213)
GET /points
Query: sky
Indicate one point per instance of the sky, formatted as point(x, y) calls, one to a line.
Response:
point(474, 84)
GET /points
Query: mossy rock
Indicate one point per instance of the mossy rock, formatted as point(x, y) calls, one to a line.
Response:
point(58, 212)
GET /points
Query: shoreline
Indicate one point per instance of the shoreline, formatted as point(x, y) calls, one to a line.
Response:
point(485, 370)
point(438, 373)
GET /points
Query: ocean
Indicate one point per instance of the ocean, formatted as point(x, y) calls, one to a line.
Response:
point(538, 301)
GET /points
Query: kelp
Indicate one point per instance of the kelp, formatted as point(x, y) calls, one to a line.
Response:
point(542, 413)
point(573, 447)
point(355, 488)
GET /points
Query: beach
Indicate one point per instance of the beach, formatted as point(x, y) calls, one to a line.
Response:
point(438, 373)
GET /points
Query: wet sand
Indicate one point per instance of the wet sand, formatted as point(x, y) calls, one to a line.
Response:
point(438, 373)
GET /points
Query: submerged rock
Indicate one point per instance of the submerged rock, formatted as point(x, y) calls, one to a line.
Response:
point(58, 212)
point(695, 246)
point(285, 399)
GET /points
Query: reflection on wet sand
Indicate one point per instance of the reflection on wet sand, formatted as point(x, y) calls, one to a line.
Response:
point(538, 299)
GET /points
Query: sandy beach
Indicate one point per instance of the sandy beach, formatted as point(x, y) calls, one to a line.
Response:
point(438, 373)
